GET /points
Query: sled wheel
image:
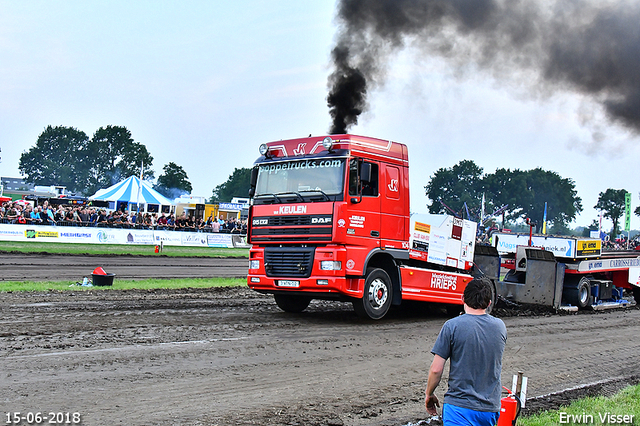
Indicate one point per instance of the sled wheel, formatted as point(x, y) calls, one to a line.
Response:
point(580, 295)
point(636, 294)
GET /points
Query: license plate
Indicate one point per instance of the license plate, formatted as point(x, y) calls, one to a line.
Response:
point(288, 283)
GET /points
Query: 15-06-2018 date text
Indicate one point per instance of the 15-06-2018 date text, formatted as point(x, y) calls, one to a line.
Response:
point(40, 418)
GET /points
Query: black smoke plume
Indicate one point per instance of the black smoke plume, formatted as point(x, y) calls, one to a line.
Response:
point(590, 47)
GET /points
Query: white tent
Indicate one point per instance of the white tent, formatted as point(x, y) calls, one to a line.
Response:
point(131, 192)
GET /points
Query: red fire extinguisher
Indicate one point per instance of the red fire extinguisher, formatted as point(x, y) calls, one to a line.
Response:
point(510, 407)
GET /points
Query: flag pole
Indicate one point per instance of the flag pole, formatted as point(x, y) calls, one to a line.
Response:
point(140, 186)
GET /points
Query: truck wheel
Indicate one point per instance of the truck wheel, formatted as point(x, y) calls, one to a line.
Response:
point(293, 304)
point(454, 310)
point(580, 295)
point(377, 297)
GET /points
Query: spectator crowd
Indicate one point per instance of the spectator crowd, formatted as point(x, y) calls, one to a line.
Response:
point(16, 212)
point(621, 243)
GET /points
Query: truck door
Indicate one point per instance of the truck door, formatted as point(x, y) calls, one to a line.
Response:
point(363, 221)
point(392, 209)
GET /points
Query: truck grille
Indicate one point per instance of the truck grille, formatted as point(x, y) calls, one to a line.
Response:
point(289, 261)
point(289, 220)
point(299, 228)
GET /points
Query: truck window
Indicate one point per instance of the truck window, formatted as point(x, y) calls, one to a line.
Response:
point(302, 177)
point(356, 184)
point(353, 176)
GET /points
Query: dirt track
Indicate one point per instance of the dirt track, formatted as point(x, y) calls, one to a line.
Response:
point(230, 357)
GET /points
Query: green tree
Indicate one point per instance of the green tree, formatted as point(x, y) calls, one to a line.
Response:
point(59, 157)
point(611, 204)
point(237, 185)
point(504, 187)
point(563, 203)
point(116, 156)
point(65, 156)
point(173, 182)
point(454, 187)
point(525, 193)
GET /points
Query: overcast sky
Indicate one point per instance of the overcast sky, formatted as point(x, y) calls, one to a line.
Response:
point(203, 83)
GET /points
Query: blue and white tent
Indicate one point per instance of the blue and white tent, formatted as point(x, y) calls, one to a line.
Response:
point(131, 191)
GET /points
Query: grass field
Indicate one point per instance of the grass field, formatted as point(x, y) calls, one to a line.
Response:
point(111, 249)
point(598, 410)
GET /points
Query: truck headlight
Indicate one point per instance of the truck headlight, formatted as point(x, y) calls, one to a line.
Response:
point(327, 143)
point(330, 265)
point(254, 264)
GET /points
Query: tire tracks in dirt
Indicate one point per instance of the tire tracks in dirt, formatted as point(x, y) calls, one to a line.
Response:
point(230, 356)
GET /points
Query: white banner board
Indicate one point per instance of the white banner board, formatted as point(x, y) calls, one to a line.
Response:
point(93, 235)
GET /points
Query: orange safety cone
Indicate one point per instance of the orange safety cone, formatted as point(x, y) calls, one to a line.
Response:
point(99, 271)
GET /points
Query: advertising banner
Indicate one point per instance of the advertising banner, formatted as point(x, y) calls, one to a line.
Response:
point(560, 247)
point(167, 238)
point(219, 240)
point(442, 239)
point(627, 211)
point(588, 247)
point(193, 239)
point(93, 235)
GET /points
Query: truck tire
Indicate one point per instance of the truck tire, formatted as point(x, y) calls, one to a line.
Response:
point(580, 294)
point(290, 303)
point(377, 297)
point(636, 294)
point(454, 310)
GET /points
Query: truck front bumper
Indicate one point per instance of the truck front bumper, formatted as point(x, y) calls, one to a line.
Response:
point(320, 286)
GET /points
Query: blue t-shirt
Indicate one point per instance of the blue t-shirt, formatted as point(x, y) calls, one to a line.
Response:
point(474, 345)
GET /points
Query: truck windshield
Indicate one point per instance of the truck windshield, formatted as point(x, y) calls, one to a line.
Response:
point(300, 181)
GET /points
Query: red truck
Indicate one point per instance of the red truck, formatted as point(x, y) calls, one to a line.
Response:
point(330, 219)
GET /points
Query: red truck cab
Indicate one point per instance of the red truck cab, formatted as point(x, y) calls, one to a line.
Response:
point(330, 219)
point(322, 208)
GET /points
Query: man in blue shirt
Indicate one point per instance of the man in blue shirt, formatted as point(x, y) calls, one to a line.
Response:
point(474, 343)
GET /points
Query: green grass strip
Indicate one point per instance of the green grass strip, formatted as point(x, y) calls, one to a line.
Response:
point(148, 284)
point(593, 410)
point(119, 249)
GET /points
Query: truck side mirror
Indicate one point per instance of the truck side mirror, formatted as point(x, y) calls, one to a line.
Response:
point(254, 180)
point(365, 172)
